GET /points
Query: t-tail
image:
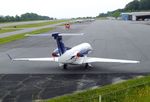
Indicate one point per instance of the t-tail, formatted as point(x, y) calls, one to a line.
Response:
point(60, 44)
point(58, 37)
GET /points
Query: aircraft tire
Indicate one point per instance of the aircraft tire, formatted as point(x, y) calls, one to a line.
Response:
point(65, 66)
point(86, 65)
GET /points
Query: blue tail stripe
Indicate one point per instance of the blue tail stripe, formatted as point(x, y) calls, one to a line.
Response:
point(60, 44)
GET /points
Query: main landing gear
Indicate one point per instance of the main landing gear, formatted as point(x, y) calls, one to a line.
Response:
point(65, 66)
point(87, 65)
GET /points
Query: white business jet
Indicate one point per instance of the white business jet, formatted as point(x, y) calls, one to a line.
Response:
point(76, 55)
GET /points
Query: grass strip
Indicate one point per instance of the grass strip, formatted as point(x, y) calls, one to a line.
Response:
point(21, 36)
point(7, 30)
point(133, 90)
point(37, 24)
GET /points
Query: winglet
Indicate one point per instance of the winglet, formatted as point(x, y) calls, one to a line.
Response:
point(9, 57)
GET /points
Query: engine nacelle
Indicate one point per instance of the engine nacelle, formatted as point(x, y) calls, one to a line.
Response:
point(79, 54)
point(83, 52)
point(55, 53)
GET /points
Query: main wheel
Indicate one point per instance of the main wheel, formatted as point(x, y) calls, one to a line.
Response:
point(65, 66)
point(86, 65)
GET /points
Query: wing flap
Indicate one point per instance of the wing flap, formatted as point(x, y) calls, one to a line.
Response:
point(93, 59)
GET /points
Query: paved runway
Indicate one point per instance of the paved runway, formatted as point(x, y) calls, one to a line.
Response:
point(110, 39)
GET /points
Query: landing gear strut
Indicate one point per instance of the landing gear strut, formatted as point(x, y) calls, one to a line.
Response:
point(87, 65)
point(65, 66)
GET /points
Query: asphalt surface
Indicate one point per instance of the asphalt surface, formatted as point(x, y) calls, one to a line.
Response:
point(29, 87)
point(109, 39)
point(27, 81)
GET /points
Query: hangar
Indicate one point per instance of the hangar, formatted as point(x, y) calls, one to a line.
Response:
point(135, 16)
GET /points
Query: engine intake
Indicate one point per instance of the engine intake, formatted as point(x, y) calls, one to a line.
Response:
point(79, 55)
point(54, 54)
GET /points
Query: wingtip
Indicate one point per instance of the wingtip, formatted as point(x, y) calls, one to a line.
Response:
point(138, 61)
point(9, 57)
point(81, 34)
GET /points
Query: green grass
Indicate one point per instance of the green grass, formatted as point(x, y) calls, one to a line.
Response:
point(102, 18)
point(21, 36)
point(37, 24)
point(7, 30)
point(134, 90)
point(139, 93)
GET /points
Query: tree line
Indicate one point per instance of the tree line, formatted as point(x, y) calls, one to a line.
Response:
point(24, 17)
point(133, 6)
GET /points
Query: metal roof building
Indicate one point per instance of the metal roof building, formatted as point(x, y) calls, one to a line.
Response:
point(135, 16)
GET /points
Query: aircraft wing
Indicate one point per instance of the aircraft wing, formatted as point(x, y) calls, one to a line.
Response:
point(93, 59)
point(52, 59)
point(36, 59)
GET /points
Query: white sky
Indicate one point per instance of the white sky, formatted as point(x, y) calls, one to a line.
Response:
point(60, 8)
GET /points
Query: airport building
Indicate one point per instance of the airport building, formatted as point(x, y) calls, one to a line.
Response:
point(135, 16)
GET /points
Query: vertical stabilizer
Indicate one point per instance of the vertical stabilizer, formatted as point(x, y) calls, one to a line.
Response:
point(60, 44)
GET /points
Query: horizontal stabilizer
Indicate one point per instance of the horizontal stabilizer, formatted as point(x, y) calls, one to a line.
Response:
point(38, 35)
point(59, 34)
point(71, 34)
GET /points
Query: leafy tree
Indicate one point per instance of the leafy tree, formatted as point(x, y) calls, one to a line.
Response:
point(136, 5)
point(24, 17)
point(144, 5)
point(1, 19)
point(116, 14)
point(132, 6)
point(103, 15)
point(17, 18)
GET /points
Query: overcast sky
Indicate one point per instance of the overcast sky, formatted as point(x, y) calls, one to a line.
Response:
point(60, 8)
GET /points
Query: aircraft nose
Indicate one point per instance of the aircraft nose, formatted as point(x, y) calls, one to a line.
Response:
point(90, 47)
